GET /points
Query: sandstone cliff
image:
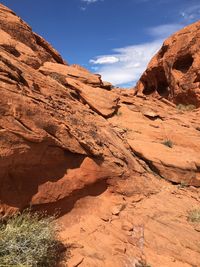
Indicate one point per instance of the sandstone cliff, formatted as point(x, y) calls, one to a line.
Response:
point(121, 167)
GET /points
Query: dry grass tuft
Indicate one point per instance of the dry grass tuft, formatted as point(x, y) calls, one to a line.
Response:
point(194, 215)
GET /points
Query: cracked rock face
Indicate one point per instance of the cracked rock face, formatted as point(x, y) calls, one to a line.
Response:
point(166, 139)
point(121, 171)
point(173, 73)
point(18, 40)
point(54, 138)
point(62, 129)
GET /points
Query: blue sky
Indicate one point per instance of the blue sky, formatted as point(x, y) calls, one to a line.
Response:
point(115, 38)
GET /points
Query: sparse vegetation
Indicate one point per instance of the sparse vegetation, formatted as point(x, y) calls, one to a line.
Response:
point(29, 240)
point(183, 184)
point(168, 143)
point(194, 215)
point(141, 264)
point(119, 113)
point(182, 107)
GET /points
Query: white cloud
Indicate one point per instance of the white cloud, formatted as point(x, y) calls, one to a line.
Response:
point(191, 14)
point(90, 1)
point(162, 31)
point(105, 60)
point(129, 63)
point(82, 8)
point(124, 66)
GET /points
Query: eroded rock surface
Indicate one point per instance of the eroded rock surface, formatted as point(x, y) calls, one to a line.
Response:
point(53, 142)
point(18, 40)
point(121, 169)
point(152, 228)
point(173, 72)
point(164, 137)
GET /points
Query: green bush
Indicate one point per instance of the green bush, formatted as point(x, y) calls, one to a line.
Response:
point(29, 240)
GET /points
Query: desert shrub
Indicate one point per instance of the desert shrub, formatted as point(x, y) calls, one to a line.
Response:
point(185, 107)
point(183, 184)
point(168, 143)
point(119, 113)
point(142, 264)
point(29, 240)
point(194, 215)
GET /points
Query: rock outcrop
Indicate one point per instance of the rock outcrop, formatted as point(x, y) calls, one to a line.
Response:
point(18, 39)
point(164, 137)
point(174, 73)
point(120, 167)
point(54, 138)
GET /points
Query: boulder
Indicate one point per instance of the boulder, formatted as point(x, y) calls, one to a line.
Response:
point(98, 99)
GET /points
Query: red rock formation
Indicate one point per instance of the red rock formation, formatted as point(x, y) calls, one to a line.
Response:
point(173, 72)
point(18, 39)
point(52, 140)
point(107, 160)
point(166, 138)
point(59, 71)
